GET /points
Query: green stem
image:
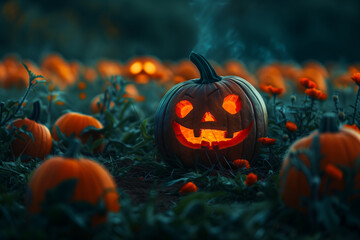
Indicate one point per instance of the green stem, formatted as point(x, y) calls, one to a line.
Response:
point(74, 149)
point(328, 123)
point(207, 72)
point(275, 107)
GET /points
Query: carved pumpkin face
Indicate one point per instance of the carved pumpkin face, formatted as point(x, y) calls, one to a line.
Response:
point(210, 120)
point(212, 134)
point(142, 69)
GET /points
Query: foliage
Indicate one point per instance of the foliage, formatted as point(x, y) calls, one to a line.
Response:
point(151, 206)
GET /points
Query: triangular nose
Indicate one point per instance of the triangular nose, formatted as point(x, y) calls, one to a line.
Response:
point(208, 117)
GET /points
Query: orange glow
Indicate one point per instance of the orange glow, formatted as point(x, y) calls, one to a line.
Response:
point(136, 67)
point(183, 108)
point(232, 104)
point(209, 137)
point(208, 117)
point(149, 67)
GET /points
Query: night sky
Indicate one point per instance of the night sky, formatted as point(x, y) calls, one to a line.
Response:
point(257, 30)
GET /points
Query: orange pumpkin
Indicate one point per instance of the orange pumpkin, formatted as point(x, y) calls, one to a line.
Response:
point(108, 68)
point(144, 68)
point(41, 146)
point(337, 148)
point(58, 70)
point(235, 68)
point(14, 73)
point(89, 74)
point(94, 184)
point(75, 123)
point(185, 70)
point(271, 75)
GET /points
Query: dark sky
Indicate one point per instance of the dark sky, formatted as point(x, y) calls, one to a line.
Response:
point(259, 30)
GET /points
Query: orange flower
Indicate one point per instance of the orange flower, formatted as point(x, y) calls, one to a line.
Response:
point(354, 127)
point(307, 83)
point(241, 163)
point(59, 103)
point(251, 179)
point(356, 78)
point(82, 96)
point(291, 126)
point(271, 90)
point(314, 93)
point(188, 187)
point(81, 85)
point(333, 172)
point(267, 141)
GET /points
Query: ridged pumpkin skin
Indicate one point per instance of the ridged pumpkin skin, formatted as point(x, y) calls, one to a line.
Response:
point(75, 123)
point(340, 149)
point(94, 183)
point(208, 116)
point(40, 147)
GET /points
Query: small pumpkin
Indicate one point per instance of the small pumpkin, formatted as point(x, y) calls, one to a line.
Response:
point(236, 68)
point(41, 146)
point(338, 147)
point(15, 74)
point(75, 123)
point(185, 70)
point(108, 68)
point(209, 121)
point(94, 183)
point(58, 70)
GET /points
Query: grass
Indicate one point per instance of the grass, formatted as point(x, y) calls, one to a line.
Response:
point(151, 206)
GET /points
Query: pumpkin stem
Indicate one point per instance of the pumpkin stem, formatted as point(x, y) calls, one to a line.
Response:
point(36, 112)
point(328, 123)
point(74, 148)
point(207, 72)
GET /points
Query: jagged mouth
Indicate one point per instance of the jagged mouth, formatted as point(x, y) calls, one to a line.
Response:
point(209, 138)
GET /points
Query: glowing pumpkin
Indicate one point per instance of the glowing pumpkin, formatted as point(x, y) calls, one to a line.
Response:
point(211, 120)
point(144, 68)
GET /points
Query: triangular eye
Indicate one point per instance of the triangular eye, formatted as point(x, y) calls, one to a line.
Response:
point(183, 108)
point(232, 104)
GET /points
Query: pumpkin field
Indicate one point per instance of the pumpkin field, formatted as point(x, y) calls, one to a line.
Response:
point(149, 147)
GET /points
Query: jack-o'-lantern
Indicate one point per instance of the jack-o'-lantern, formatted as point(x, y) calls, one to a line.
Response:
point(144, 68)
point(210, 121)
